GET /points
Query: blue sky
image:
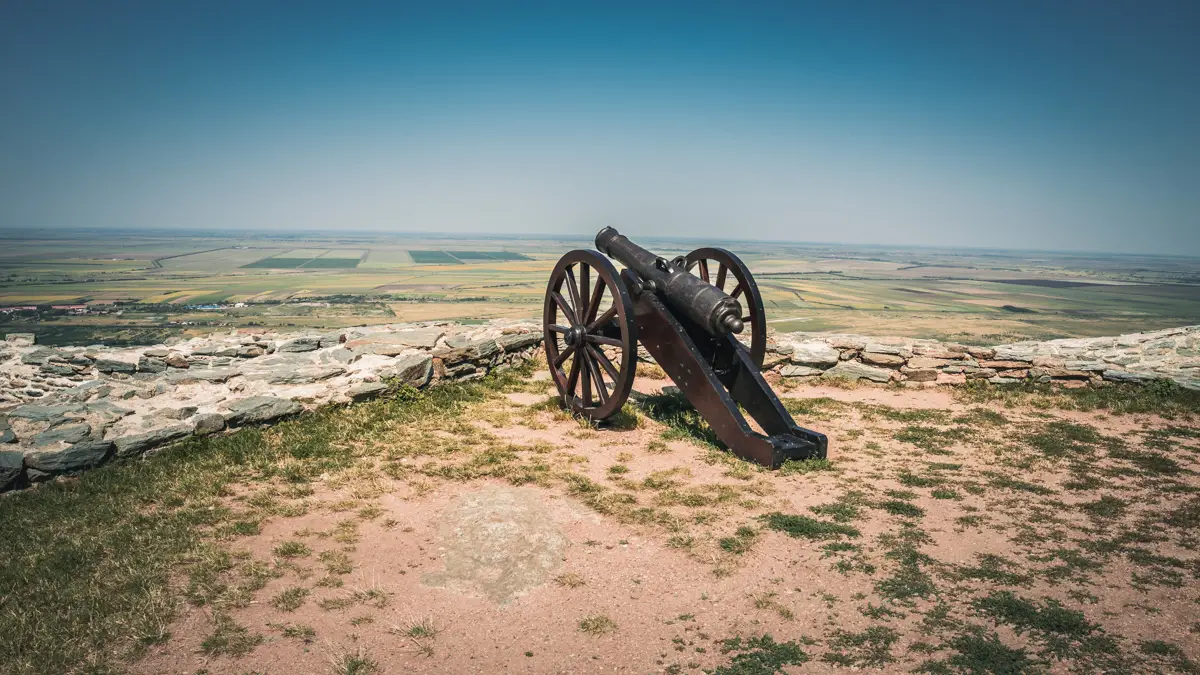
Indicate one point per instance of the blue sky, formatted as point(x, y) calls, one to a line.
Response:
point(1067, 125)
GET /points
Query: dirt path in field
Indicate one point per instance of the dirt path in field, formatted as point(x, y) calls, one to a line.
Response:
point(955, 535)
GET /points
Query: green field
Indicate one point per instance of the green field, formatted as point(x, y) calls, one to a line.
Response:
point(156, 280)
point(434, 258)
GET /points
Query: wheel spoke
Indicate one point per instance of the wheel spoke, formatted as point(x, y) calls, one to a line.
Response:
point(574, 291)
point(573, 378)
point(585, 283)
point(721, 271)
point(601, 389)
point(555, 328)
point(594, 303)
point(746, 319)
point(737, 290)
point(604, 361)
point(562, 304)
point(563, 355)
point(586, 375)
point(704, 270)
point(602, 340)
point(603, 319)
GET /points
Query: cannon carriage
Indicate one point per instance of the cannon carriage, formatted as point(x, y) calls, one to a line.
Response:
point(594, 318)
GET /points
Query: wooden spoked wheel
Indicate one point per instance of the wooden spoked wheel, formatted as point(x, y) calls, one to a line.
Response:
point(591, 340)
point(716, 265)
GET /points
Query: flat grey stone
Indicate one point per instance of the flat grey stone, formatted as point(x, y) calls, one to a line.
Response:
point(366, 391)
point(922, 375)
point(799, 371)
point(344, 356)
point(12, 465)
point(65, 433)
point(882, 359)
point(259, 409)
point(1126, 376)
point(852, 370)
point(20, 339)
point(301, 344)
point(129, 446)
point(304, 375)
point(519, 341)
point(422, 338)
point(82, 455)
point(58, 369)
point(413, 370)
point(178, 413)
point(147, 364)
point(814, 354)
point(115, 366)
point(473, 348)
point(209, 423)
point(157, 352)
point(43, 413)
point(212, 375)
point(107, 408)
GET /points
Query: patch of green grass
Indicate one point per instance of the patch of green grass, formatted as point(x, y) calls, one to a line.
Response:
point(996, 569)
point(355, 664)
point(907, 579)
point(944, 493)
point(300, 632)
point(292, 549)
point(741, 542)
point(847, 508)
point(229, 638)
point(898, 507)
point(597, 625)
point(759, 656)
point(821, 408)
point(1060, 439)
point(803, 527)
point(680, 418)
point(1061, 630)
point(421, 629)
point(290, 599)
point(980, 653)
point(803, 466)
point(1147, 463)
point(1186, 516)
point(1005, 482)
point(1106, 508)
point(981, 417)
point(871, 648)
point(1170, 653)
point(913, 480)
point(932, 439)
point(1162, 397)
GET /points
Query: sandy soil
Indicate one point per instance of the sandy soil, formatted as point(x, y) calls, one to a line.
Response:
point(505, 574)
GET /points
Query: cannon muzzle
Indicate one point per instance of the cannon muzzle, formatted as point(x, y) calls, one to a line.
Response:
point(703, 303)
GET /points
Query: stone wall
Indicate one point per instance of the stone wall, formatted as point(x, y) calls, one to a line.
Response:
point(66, 409)
point(1172, 354)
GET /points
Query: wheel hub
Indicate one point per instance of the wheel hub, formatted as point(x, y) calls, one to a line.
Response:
point(574, 337)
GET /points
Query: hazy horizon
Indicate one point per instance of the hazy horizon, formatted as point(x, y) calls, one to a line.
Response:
point(1013, 126)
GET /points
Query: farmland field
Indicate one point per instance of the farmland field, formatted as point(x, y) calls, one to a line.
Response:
point(141, 284)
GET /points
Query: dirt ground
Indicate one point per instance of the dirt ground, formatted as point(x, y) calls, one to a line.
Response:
point(941, 536)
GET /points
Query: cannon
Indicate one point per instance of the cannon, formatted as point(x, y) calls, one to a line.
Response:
point(679, 310)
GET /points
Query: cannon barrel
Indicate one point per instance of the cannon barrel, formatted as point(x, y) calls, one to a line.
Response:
point(703, 303)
